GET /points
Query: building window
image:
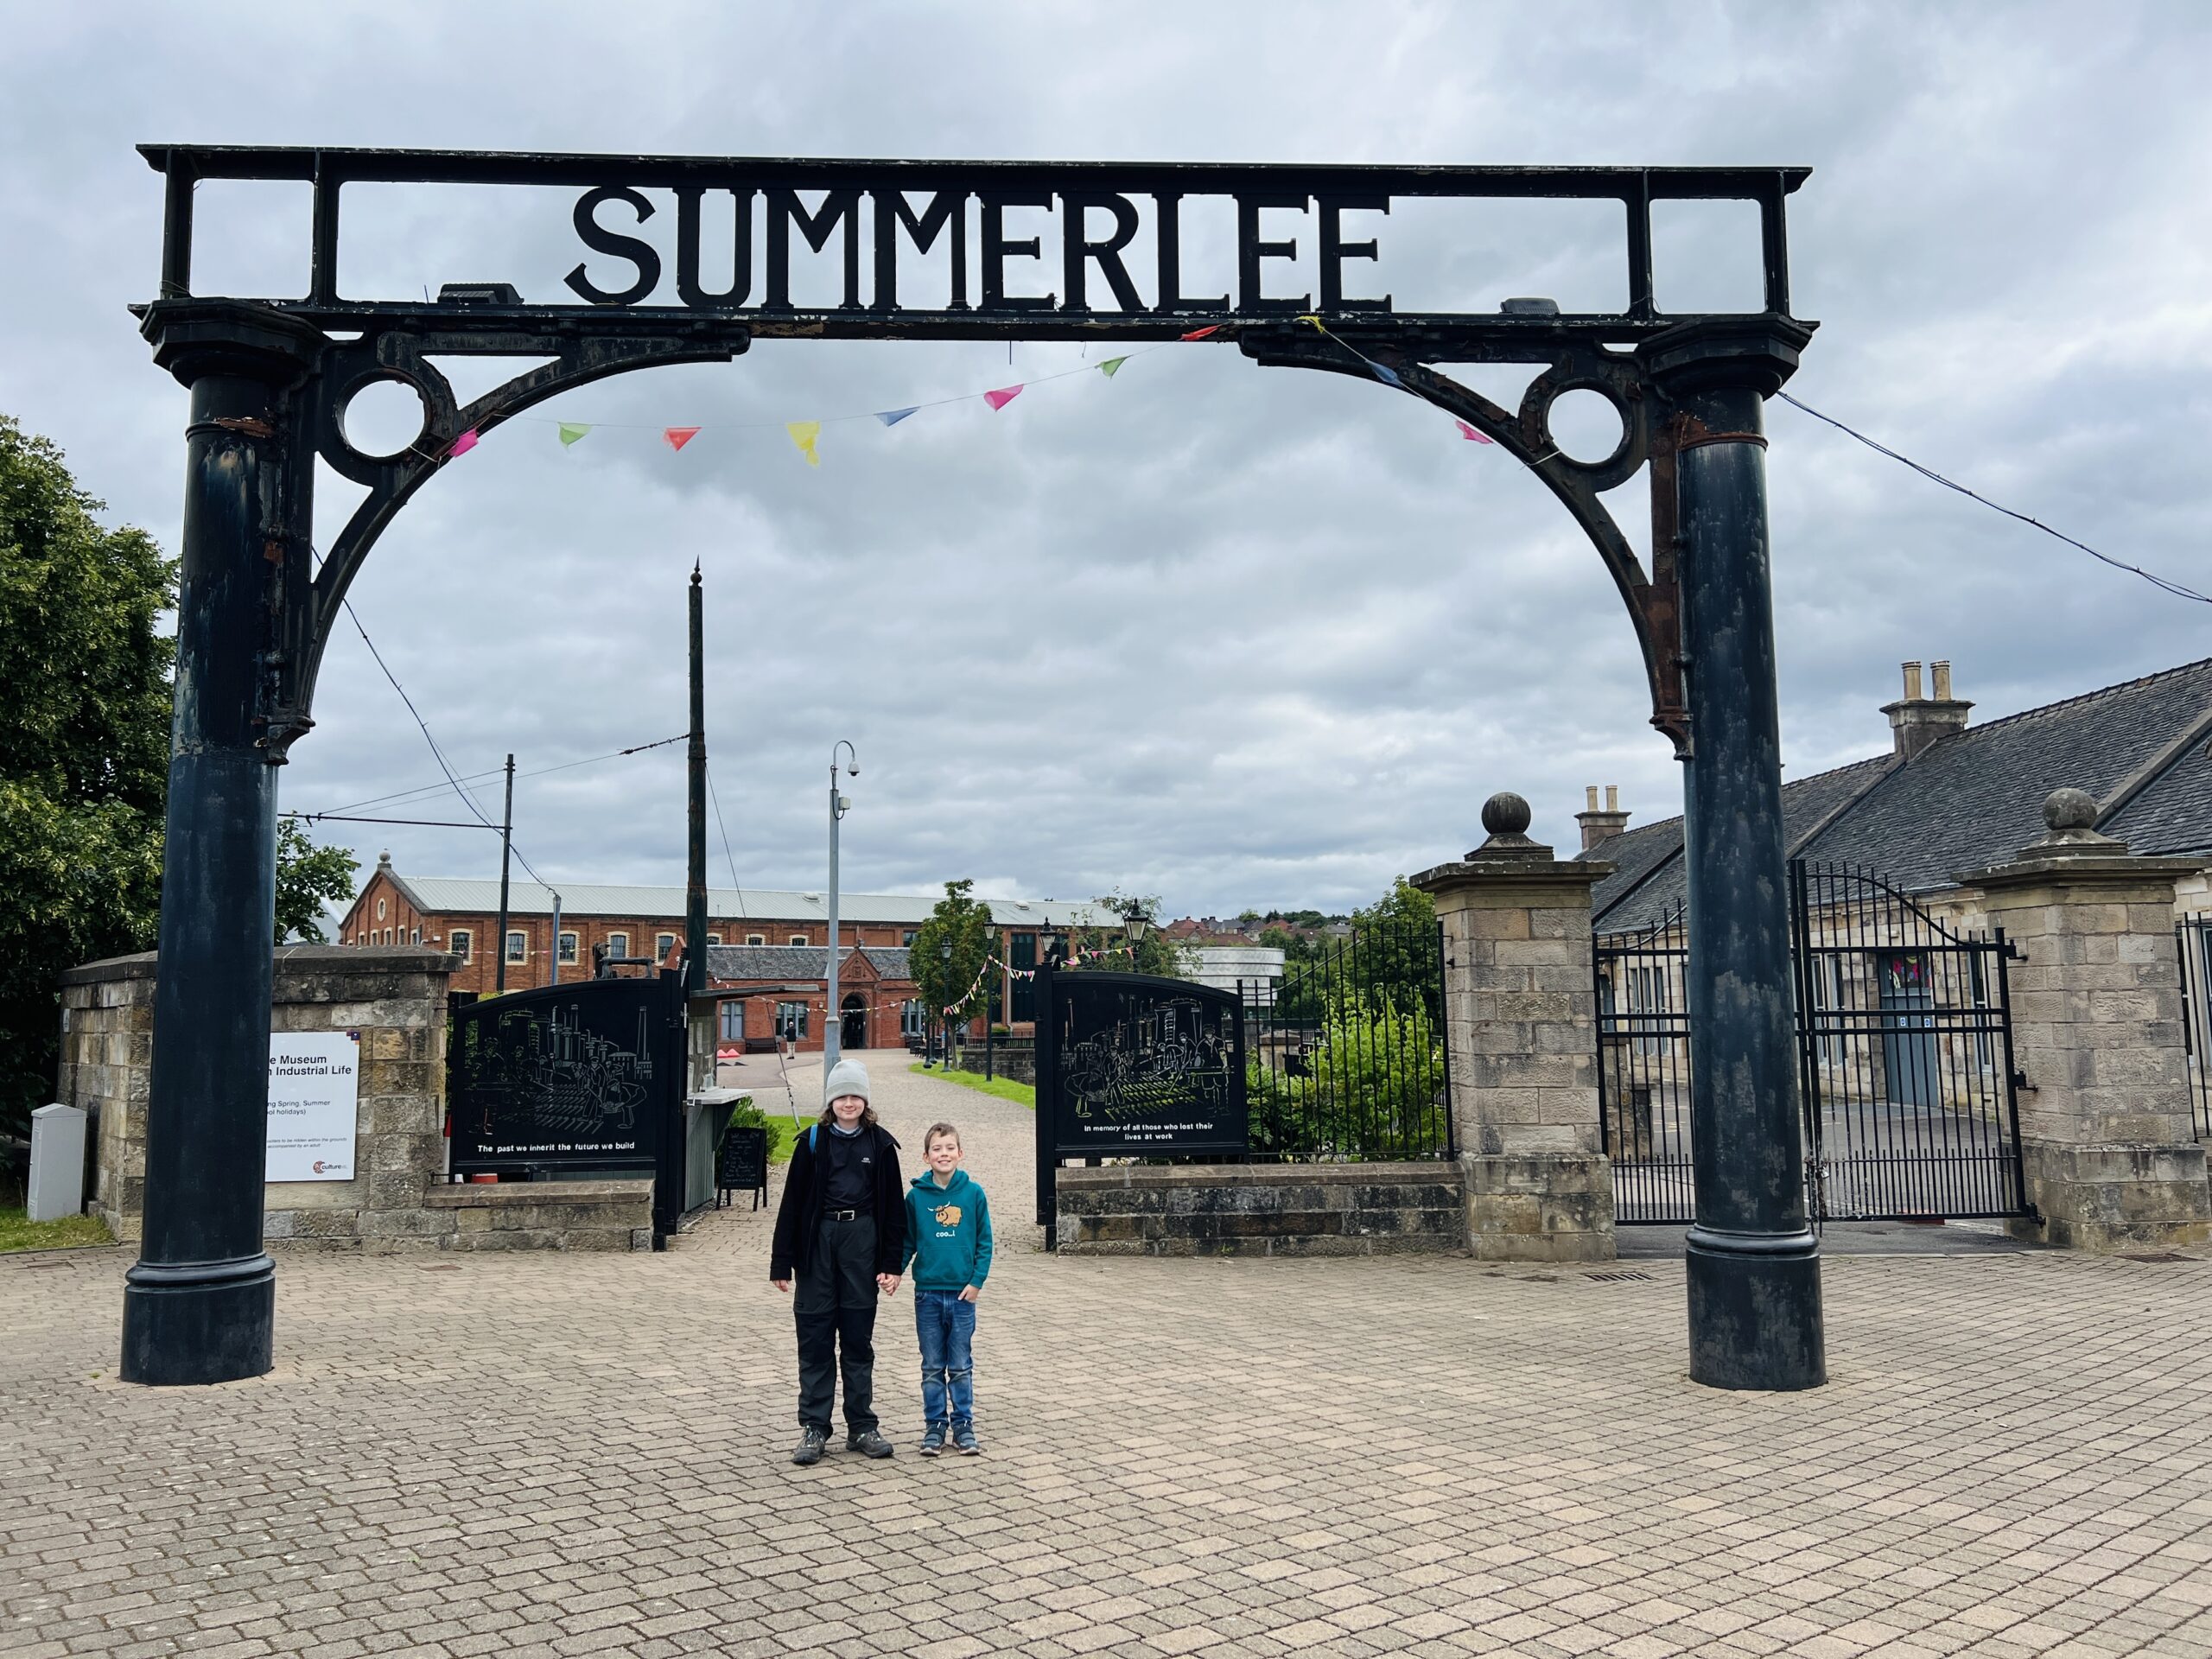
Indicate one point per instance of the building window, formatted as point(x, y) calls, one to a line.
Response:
point(799, 938)
point(756, 938)
point(907, 938)
point(518, 946)
point(618, 944)
point(458, 942)
point(911, 1017)
point(733, 1022)
point(791, 1021)
point(1022, 1003)
point(662, 944)
point(380, 910)
point(567, 946)
point(418, 936)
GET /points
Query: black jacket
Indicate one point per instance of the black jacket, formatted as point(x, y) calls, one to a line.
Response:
point(798, 1221)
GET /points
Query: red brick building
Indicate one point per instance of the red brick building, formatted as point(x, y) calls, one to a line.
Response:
point(461, 915)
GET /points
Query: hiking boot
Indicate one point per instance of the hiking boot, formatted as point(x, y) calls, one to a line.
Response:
point(868, 1444)
point(811, 1446)
point(933, 1440)
point(963, 1440)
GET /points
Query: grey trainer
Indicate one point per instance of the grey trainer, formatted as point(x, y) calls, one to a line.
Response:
point(811, 1446)
point(868, 1444)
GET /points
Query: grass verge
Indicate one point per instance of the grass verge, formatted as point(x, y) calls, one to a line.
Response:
point(19, 1232)
point(1022, 1093)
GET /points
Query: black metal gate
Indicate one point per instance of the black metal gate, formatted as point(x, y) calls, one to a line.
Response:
point(1904, 1036)
point(2193, 938)
point(1346, 1052)
point(573, 1079)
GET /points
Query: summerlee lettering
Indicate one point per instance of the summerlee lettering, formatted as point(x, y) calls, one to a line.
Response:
point(1090, 250)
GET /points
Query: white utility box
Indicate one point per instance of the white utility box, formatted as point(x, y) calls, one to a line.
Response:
point(57, 1162)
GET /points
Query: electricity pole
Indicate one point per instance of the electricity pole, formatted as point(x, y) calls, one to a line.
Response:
point(506, 851)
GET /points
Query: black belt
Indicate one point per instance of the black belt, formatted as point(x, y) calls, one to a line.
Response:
point(841, 1215)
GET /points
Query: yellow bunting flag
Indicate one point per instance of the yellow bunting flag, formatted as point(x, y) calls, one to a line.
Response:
point(806, 435)
point(1111, 365)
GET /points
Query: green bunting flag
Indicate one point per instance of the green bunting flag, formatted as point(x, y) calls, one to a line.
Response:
point(571, 431)
point(1110, 364)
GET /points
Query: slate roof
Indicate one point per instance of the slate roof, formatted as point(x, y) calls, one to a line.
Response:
point(797, 962)
point(1972, 799)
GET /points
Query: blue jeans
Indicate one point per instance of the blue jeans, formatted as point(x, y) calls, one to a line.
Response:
point(945, 1327)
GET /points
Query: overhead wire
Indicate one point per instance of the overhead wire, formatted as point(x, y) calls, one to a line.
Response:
point(2164, 584)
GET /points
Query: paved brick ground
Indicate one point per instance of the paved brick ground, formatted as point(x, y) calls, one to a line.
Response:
point(572, 1455)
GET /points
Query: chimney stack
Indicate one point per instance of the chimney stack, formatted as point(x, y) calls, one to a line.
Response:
point(1600, 824)
point(1917, 722)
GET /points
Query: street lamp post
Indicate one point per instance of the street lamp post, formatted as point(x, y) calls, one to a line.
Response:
point(1135, 922)
point(834, 1019)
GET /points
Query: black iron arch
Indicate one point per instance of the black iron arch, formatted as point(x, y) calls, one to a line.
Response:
point(271, 381)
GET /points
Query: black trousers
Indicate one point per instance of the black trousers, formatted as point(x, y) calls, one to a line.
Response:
point(834, 1302)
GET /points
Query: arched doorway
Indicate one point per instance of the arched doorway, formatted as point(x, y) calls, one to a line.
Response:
point(852, 1022)
point(258, 598)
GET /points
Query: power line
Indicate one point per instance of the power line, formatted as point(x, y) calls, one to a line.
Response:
point(736, 885)
point(474, 777)
point(2160, 583)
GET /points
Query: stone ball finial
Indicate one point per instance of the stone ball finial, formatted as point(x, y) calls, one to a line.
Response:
point(1506, 814)
point(2069, 809)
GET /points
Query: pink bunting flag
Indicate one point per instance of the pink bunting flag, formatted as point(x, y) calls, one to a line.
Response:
point(1200, 334)
point(1471, 435)
point(677, 436)
point(1002, 396)
point(462, 444)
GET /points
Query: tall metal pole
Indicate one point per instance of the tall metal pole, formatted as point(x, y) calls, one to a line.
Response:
point(507, 855)
point(554, 955)
point(695, 897)
point(1753, 1263)
point(199, 1304)
point(834, 1018)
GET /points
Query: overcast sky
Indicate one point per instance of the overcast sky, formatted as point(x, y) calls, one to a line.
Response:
point(1233, 635)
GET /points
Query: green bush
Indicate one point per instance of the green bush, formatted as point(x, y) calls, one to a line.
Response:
point(1373, 1087)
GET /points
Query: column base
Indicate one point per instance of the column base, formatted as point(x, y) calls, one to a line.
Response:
point(1755, 1310)
point(2106, 1199)
point(1539, 1206)
point(207, 1322)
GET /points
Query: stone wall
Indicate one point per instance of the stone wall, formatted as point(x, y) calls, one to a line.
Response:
point(395, 998)
point(1015, 1059)
point(1263, 1210)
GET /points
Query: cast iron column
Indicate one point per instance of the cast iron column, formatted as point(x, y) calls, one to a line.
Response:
point(1753, 1264)
point(199, 1304)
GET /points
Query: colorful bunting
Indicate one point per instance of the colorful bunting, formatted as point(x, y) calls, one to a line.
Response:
point(1387, 375)
point(677, 436)
point(462, 444)
point(1002, 396)
point(1110, 366)
point(1200, 334)
point(571, 431)
point(892, 416)
point(806, 435)
point(1471, 435)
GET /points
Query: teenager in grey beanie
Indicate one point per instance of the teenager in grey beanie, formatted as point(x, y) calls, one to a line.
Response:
point(846, 1077)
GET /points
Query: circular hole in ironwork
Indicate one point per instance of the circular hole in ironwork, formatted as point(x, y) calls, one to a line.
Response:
point(1585, 425)
point(383, 417)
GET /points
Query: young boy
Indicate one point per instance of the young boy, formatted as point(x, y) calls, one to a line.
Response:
point(949, 1244)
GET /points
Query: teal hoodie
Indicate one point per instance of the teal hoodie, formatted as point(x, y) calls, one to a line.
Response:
point(948, 1232)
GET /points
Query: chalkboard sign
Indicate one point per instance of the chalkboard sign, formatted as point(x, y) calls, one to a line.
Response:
point(742, 1165)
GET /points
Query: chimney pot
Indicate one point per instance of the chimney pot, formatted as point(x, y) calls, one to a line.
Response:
point(1941, 671)
point(1590, 797)
point(1912, 682)
point(1612, 797)
point(1601, 825)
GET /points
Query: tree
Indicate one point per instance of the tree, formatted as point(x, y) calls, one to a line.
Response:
point(83, 767)
point(956, 981)
point(306, 875)
point(1156, 954)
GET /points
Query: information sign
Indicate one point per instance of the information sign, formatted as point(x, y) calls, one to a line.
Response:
point(314, 1095)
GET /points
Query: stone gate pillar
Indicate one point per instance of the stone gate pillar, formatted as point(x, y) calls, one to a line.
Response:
point(2104, 1125)
point(1521, 1016)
